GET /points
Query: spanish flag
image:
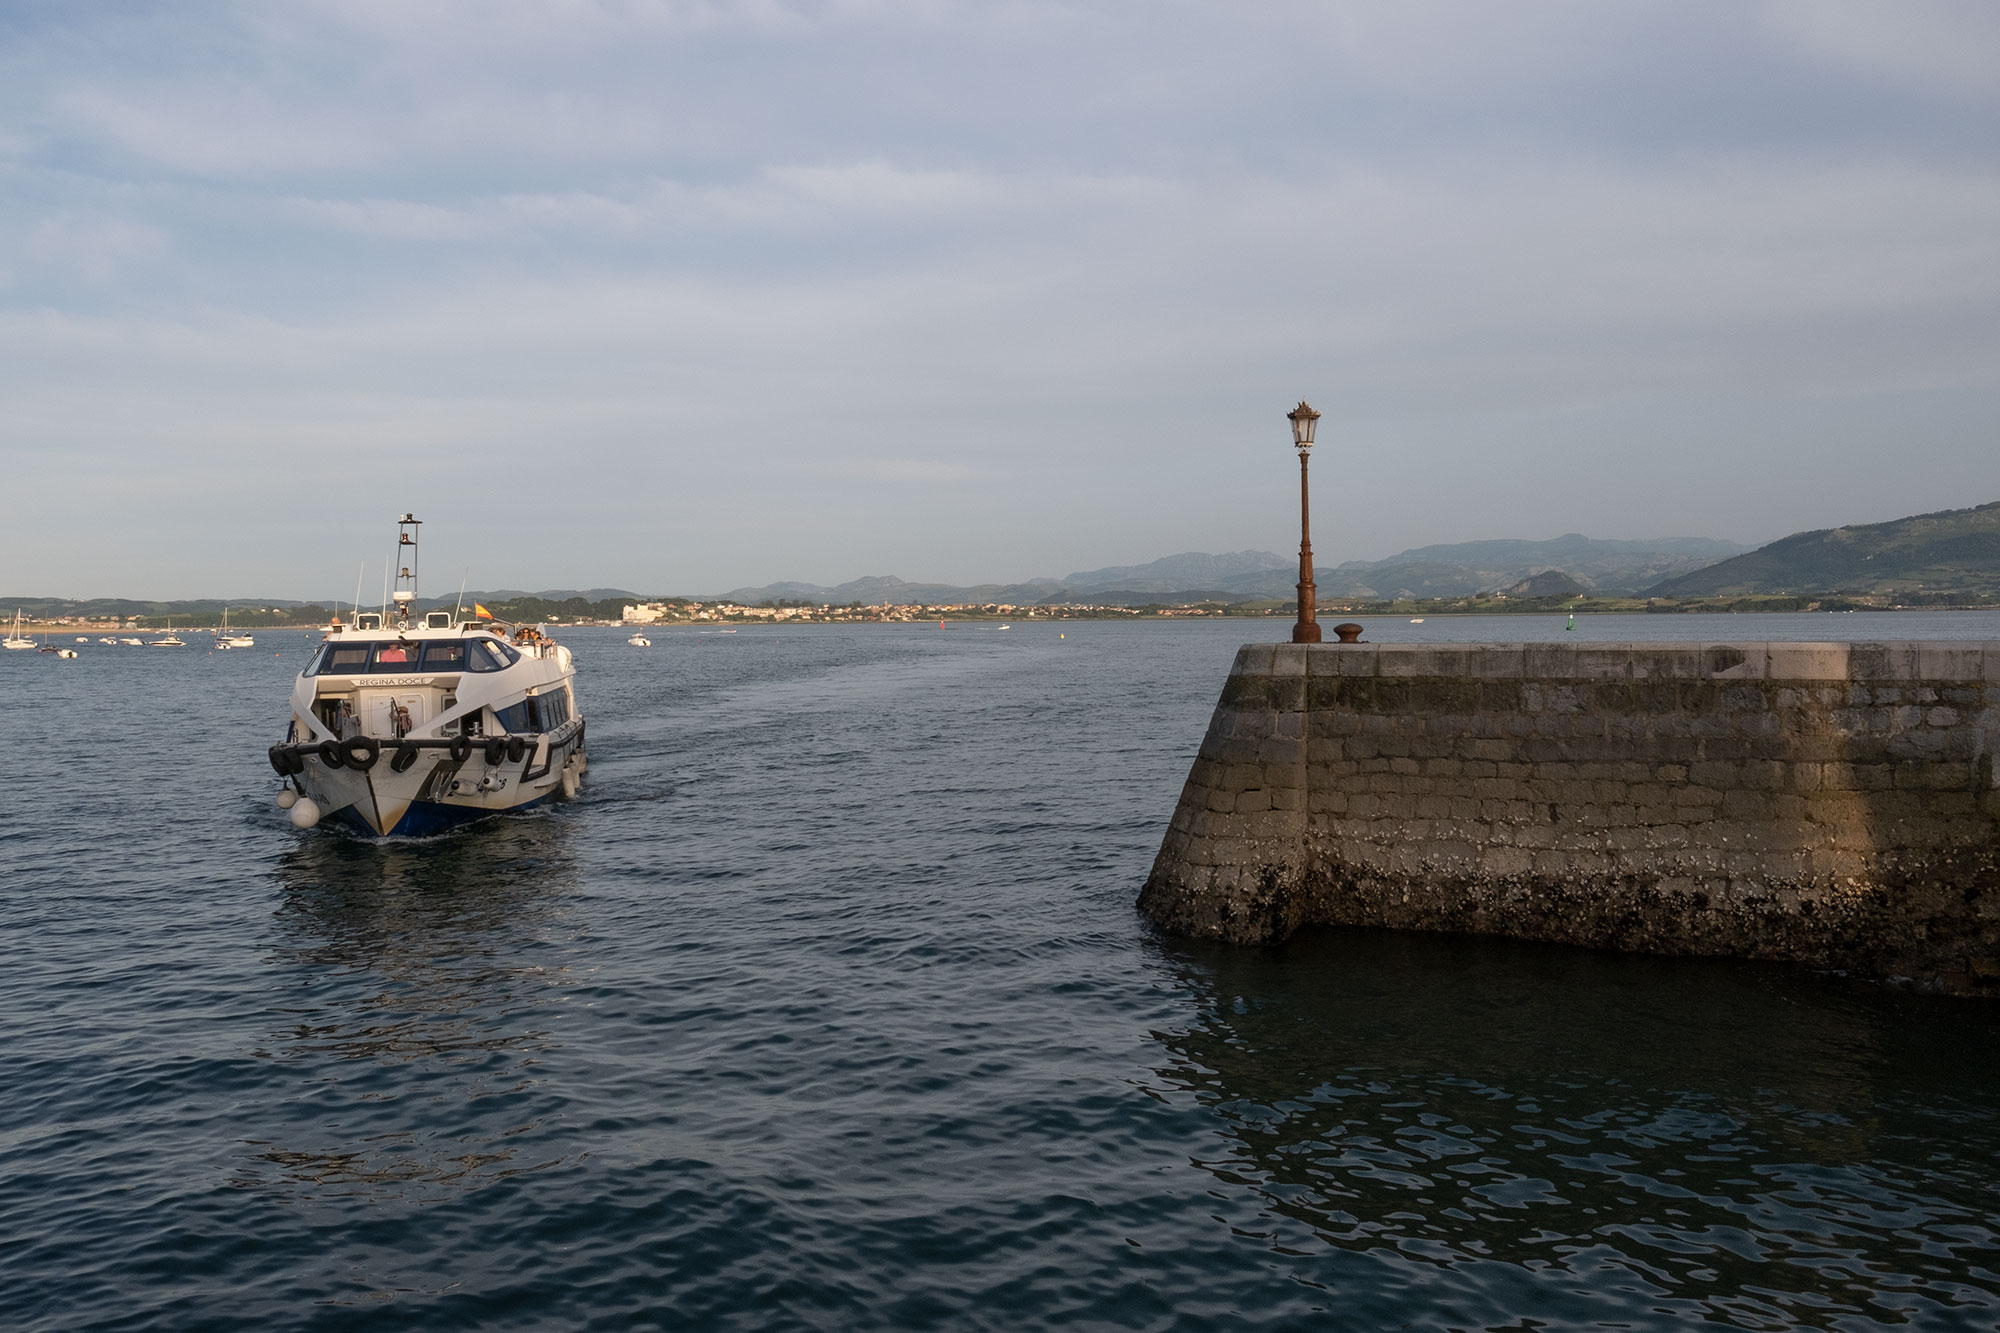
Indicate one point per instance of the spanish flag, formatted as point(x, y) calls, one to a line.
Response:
point(481, 612)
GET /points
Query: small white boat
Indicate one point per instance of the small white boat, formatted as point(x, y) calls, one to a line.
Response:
point(14, 640)
point(81, 639)
point(106, 638)
point(65, 652)
point(135, 643)
point(224, 639)
point(468, 718)
point(1416, 620)
point(1006, 627)
point(640, 641)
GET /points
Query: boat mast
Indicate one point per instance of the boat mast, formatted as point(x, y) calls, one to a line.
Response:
point(406, 567)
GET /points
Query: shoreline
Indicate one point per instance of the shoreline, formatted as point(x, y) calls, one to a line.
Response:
point(1391, 612)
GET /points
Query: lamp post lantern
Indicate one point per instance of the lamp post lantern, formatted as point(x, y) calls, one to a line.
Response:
point(1303, 419)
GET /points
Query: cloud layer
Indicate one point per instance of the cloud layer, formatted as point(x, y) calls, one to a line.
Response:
point(708, 294)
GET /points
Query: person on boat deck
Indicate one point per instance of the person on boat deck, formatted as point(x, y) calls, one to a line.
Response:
point(399, 719)
point(393, 652)
point(350, 725)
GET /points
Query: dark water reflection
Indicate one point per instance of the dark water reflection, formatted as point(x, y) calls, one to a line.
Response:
point(423, 968)
point(1604, 1140)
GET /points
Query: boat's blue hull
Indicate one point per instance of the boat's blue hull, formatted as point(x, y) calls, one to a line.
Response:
point(426, 819)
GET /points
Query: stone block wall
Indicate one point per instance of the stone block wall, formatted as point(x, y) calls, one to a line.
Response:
point(1832, 804)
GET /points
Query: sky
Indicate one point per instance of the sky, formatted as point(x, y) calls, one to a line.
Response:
point(684, 295)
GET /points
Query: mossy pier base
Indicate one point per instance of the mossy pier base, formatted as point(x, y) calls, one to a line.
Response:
point(1828, 804)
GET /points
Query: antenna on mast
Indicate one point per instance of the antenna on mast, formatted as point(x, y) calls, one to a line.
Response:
point(405, 566)
point(354, 616)
point(461, 595)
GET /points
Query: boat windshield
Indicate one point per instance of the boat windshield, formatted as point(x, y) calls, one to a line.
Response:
point(390, 657)
point(491, 655)
point(445, 656)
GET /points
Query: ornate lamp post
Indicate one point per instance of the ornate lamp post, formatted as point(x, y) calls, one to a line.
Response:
point(1303, 419)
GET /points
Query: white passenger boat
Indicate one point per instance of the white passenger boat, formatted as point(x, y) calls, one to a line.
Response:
point(640, 641)
point(406, 725)
point(170, 640)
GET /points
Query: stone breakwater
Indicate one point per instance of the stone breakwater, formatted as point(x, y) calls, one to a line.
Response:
point(1831, 804)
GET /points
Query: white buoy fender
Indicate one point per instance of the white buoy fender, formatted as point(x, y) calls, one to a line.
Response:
point(287, 798)
point(569, 784)
point(305, 812)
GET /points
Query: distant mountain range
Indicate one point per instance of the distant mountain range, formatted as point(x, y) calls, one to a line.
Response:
point(1594, 564)
point(1610, 568)
point(1955, 551)
point(1951, 552)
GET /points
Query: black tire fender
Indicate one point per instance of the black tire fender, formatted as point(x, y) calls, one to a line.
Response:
point(360, 752)
point(329, 754)
point(516, 747)
point(496, 750)
point(461, 749)
point(281, 762)
point(405, 756)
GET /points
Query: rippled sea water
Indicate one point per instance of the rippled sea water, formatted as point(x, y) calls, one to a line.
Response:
point(827, 1007)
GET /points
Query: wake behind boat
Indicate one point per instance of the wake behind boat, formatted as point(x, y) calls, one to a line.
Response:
point(403, 729)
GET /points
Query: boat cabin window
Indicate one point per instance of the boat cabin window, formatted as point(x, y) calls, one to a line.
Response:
point(489, 655)
point(552, 709)
point(388, 657)
point(368, 620)
point(444, 656)
point(344, 659)
point(544, 712)
point(438, 620)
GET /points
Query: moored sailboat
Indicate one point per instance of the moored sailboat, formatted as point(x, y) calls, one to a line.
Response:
point(224, 639)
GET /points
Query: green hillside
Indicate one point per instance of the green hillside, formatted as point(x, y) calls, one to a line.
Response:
point(1952, 553)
